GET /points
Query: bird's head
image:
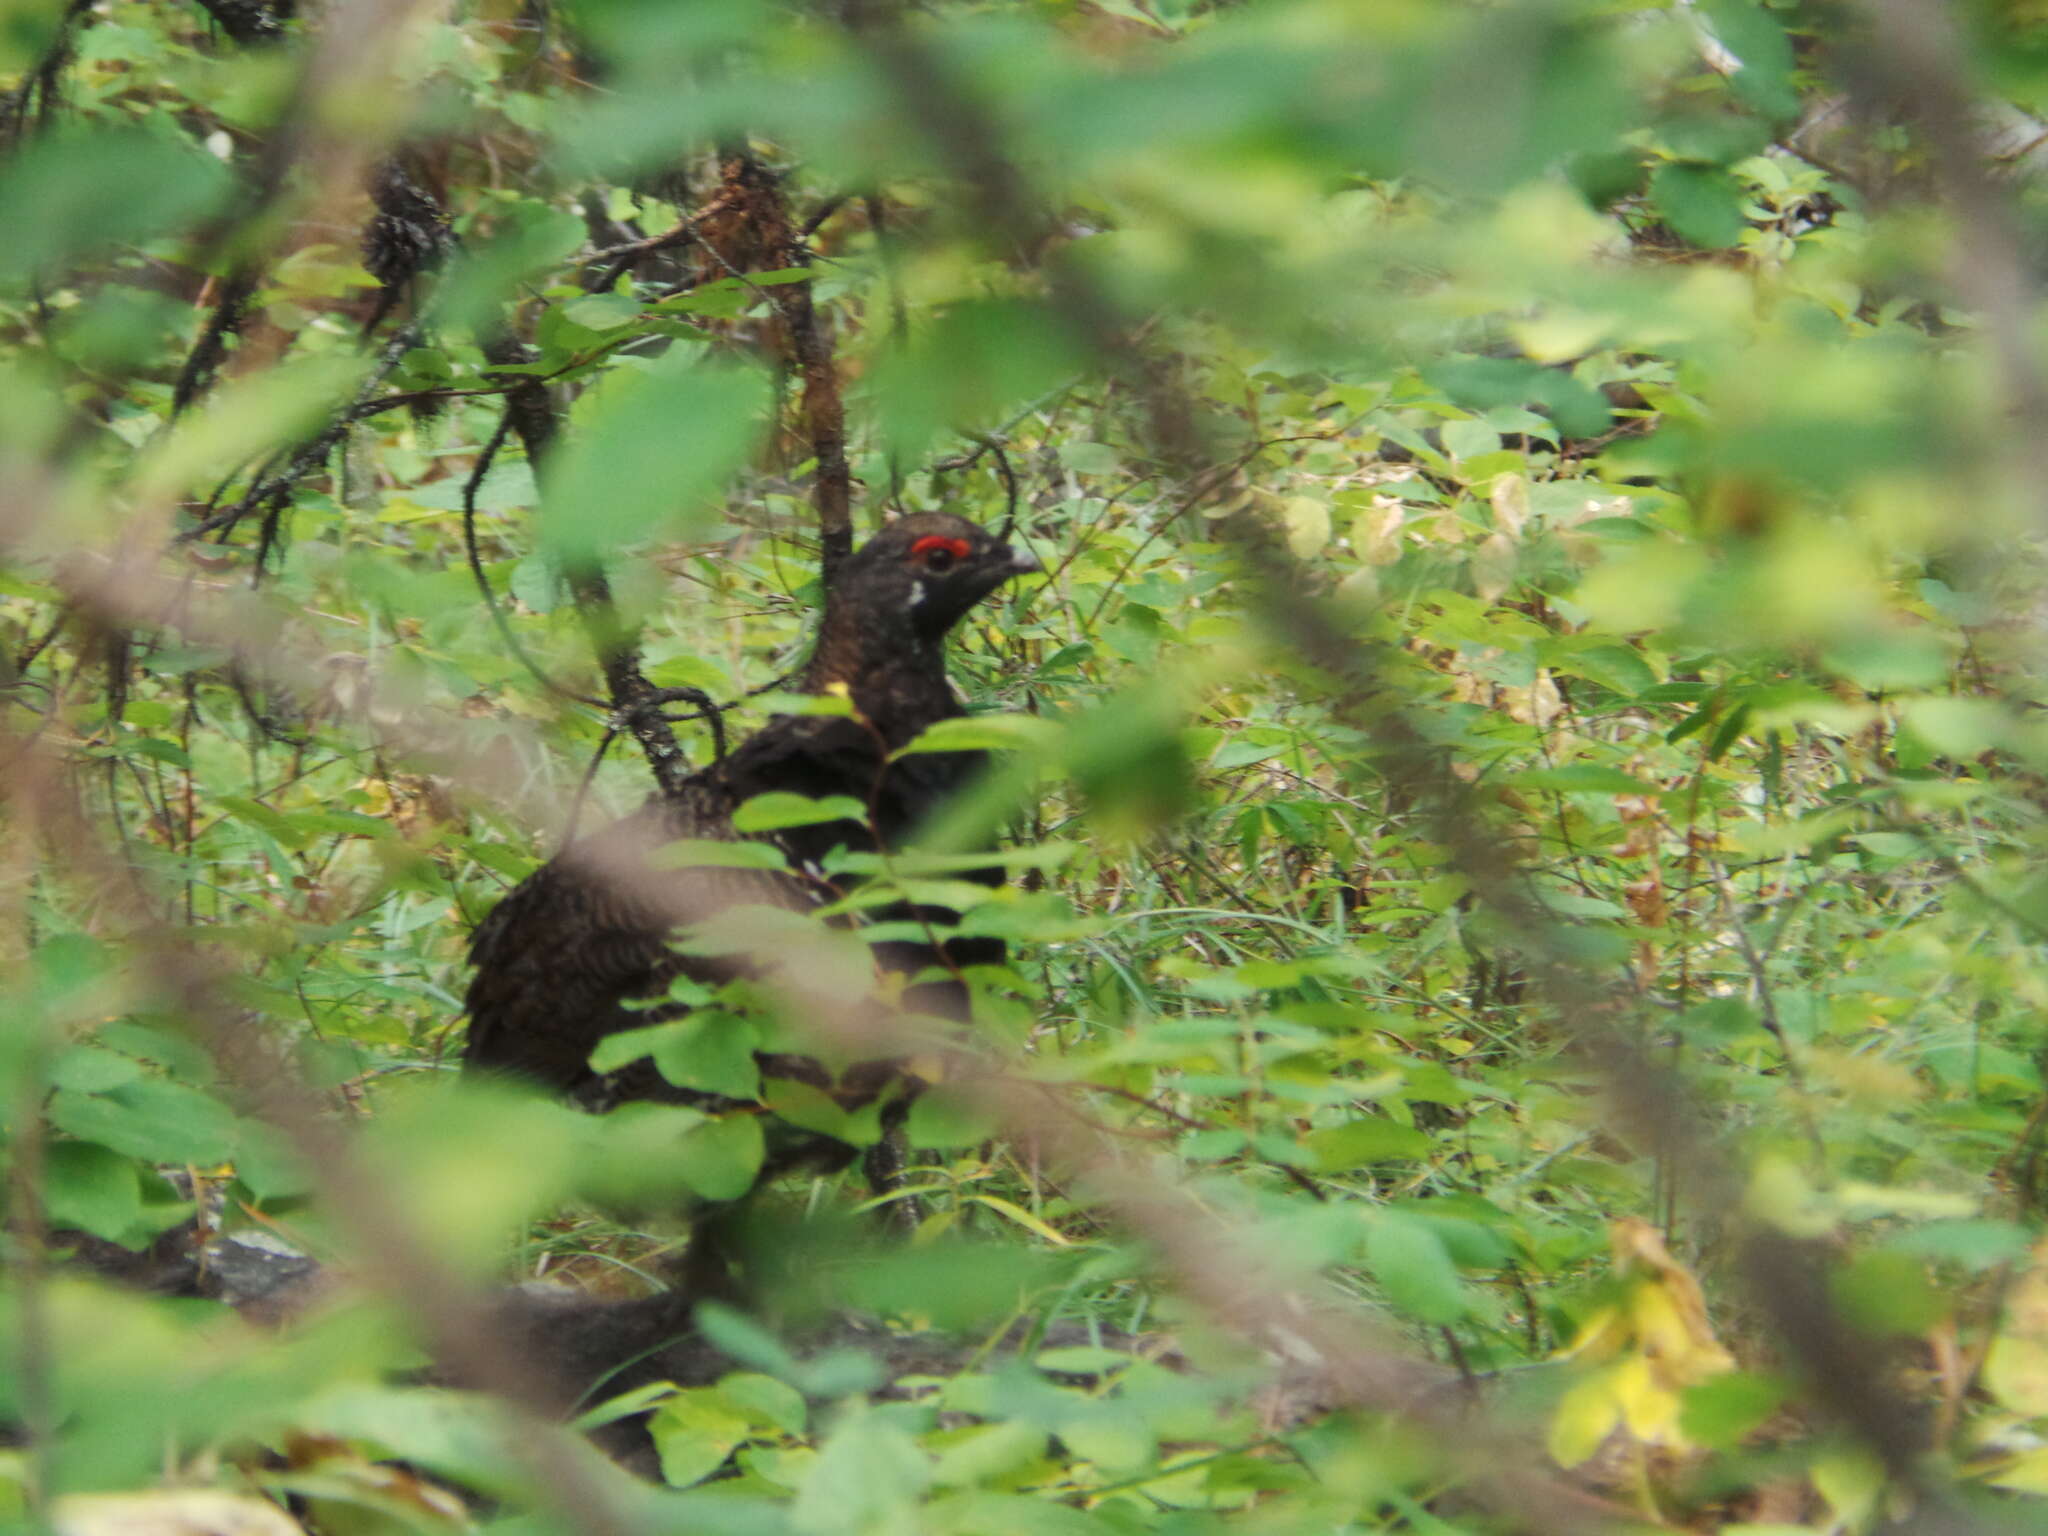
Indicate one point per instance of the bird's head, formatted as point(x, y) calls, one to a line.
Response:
point(927, 570)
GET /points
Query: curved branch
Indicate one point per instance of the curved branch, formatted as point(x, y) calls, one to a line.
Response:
point(636, 702)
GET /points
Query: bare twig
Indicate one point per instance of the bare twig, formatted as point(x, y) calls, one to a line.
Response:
point(605, 266)
point(483, 580)
point(755, 194)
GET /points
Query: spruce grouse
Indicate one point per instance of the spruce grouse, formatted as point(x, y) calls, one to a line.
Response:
point(559, 958)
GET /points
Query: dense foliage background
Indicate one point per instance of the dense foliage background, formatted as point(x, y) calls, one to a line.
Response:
point(1522, 779)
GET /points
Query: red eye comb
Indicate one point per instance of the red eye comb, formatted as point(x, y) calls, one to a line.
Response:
point(957, 548)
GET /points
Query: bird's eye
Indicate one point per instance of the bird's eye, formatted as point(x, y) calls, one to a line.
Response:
point(938, 554)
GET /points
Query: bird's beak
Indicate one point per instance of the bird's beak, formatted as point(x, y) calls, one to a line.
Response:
point(1023, 562)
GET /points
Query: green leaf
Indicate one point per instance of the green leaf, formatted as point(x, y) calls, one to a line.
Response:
point(603, 311)
point(1702, 203)
point(272, 822)
point(1243, 753)
point(993, 1453)
point(868, 1478)
point(1307, 521)
point(915, 862)
point(651, 447)
point(710, 853)
point(694, 1432)
point(1488, 383)
point(710, 1051)
point(626, 1047)
point(947, 1117)
point(836, 705)
point(1755, 36)
point(1614, 667)
point(176, 1055)
point(1086, 458)
point(743, 1339)
point(526, 235)
point(1958, 727)
point(1119, 1444)
point(1469, 438)
point(85, 1068)
point(625, 1406)
point(970, 1513)
point(157, 1121)
point(976, 360)
point(766, 1402)
point(1721, 1412)
point(1359, 1142)
point(811, 1108)
point(269, 1165)
point(1412, 1266)
point(725, 299)
point(1976, 1243)
point(538, 582)
point(1885, 1292)
point(465, 1436)
point(1583, 779)
point(982, 733)
point(780, 808)
point(94, 1189)
point(721, 1159)
point(628, 1158)
point(70, 195)
point(155, 747)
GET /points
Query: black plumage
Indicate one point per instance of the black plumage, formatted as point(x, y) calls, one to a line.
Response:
point(557, 960)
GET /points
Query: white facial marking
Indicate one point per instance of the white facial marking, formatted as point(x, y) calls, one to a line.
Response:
point(916, 597)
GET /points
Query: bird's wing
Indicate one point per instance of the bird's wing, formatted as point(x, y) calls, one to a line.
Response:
point(826, 755)
point(557, 957)
point(589, 929)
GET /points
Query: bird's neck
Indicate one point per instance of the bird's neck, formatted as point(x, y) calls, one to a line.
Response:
point(895, 677)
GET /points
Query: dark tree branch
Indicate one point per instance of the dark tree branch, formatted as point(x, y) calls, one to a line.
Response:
point(37, 95)
point(769, 241)
point(602, 269)
point(270, 492)
point(196, 377)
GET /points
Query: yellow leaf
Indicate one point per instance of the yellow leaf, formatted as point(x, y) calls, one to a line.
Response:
point(1376, 532)
point(1852, 1481)
point(1649, 1407)
point(2025, 1473)
point(2016, 1365)
point(1585, 1417)
point(1672, 1310)
point(1599, 1336)
point(1655, 1342)
point(2016, 1372)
